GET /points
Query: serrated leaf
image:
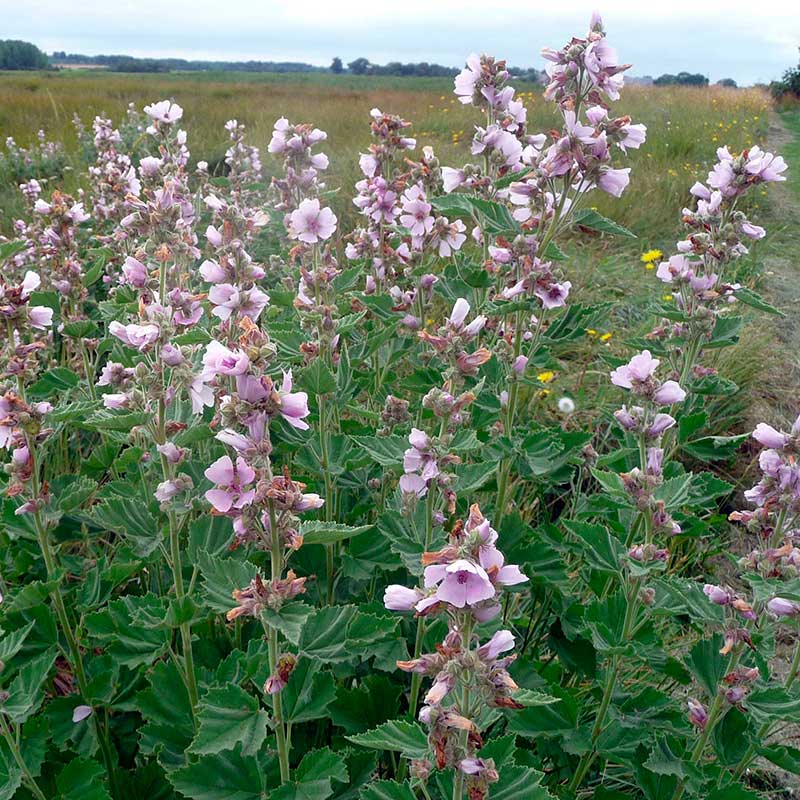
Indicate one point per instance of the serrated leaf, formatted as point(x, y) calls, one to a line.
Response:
point(396, 735)
point(129, 518)
point(229, 716)
point(26, 691)
point(119, 627)
point(12, 642)
point(320, 532)
point(754, 300)
point(387, 451)
point(324, 635)
point(220, 577)
point(169, 726)
point(289, 619)
point(589, 218)
point(82, 779)
point(223, 776)
point(309, 692)
point(387, 790)
point(529, 698)
point(58, 379)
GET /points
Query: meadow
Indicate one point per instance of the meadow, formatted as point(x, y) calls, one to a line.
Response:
point(398, 439)
point(687, 124)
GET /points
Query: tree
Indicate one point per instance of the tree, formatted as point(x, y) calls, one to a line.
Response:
point(336, 66)
point(15, 54)
point(359, 66)
point(729, 82)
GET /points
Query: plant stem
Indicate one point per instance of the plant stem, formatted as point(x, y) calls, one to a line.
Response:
point(276, 566)
point(177, 567)
point(416, 678)
point(463, 709)
point(13, 746)
point(587, 759)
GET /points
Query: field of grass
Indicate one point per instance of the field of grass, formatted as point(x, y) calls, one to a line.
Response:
point(685, 125)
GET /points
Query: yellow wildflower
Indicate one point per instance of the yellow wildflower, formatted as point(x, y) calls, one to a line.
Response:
point(651, 256)
point(546, 376)
point(606, 336)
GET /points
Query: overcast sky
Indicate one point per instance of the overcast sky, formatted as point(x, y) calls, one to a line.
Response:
point(743, 39)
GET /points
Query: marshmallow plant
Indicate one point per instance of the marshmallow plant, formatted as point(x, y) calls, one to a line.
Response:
point(312, 525)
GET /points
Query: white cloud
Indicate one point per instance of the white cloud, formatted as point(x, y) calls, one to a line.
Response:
point(722, 38)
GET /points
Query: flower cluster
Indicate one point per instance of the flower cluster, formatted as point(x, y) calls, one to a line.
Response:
point(463, 581)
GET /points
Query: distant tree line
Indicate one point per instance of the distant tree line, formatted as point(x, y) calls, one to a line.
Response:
point(682, 79)
point(123, 63)
point(15, 54)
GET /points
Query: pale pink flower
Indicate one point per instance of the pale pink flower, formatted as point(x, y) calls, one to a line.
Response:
point(310, 224)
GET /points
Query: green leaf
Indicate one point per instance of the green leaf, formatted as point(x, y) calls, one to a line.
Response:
point(220, 577)
point(224, 776)
point(589, 218)
point(309, 692)
point(313, 777)
point(386, 790)
point(530, 698)
point(26, 691)
point(387, 451)
point(603, 551)
point(129, 518)
point(169, 726)
point(324, 635)
point(82, 779)
point(396, 735)
point(12, 642)
point(54, 381)
point(318, 379)
point(229, 716)
point(519, 783)
point(773, 704)
point(289, 619)
point(119, 626)
point(320, 532)
point(715, 448)
point(750, 298)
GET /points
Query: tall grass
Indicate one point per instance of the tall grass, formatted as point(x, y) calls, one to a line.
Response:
point(685, 125)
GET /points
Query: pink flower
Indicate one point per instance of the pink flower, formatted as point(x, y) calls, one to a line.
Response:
point(493, 561)
point(164, 111)
point(411, 483)
point(80, 713)
point(135, 272)
point(30, 283)
point(716, 594)
point(400, 598)
point(212, 272)
point(293, 405)
point(452, 179)
point(769, 437)
point(553, 296)
point(781, 607)
point(40, 317)
point(614, 181)
point(231, 482)
point(219, 360)
point(466, 80)
point(452, 239)
point(461, 583)
point(499, 643)
point(668, 393)
point(309, 223)
point(115, 401)
point(138, 336)
point(417, 217)
point(637, 370)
